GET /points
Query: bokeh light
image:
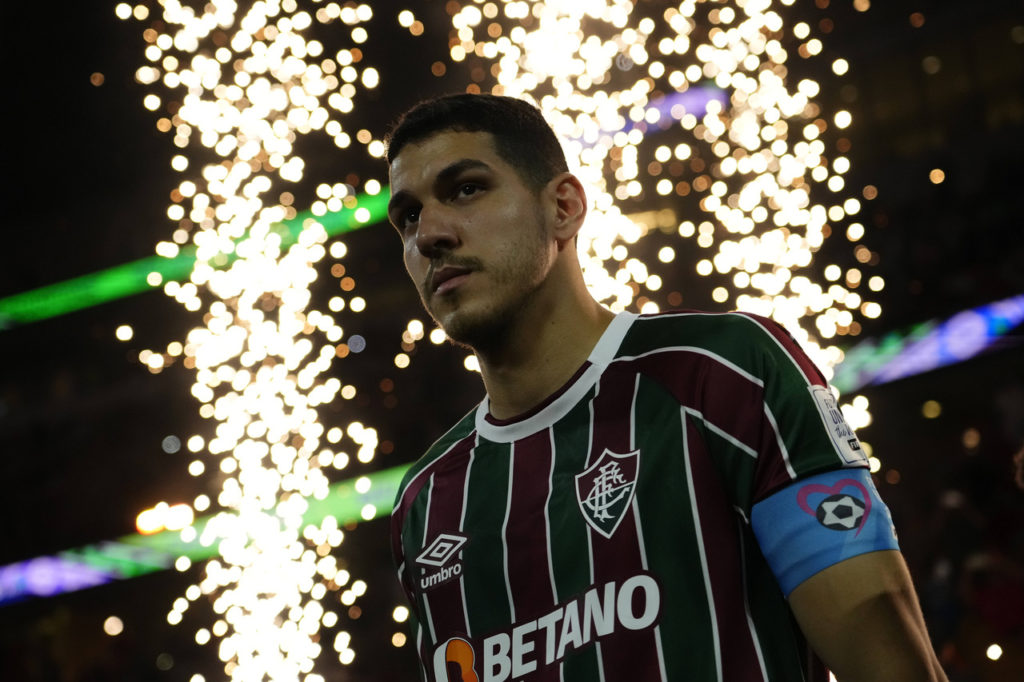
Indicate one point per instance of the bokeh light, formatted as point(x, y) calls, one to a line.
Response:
point(236, 87)
point(694, 103)
point(686, 123)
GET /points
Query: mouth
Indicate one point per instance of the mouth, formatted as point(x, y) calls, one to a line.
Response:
point(448, 278)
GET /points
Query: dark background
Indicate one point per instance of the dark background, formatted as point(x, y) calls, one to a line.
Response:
point(81, 420)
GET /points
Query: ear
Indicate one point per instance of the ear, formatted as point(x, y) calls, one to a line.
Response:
point(570, 207)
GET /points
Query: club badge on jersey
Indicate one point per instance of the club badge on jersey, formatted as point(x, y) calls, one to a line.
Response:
point(606, 489)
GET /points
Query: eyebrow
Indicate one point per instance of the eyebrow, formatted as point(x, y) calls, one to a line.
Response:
point(444, 176)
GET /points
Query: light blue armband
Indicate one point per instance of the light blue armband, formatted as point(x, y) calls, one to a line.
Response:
point(819, 521)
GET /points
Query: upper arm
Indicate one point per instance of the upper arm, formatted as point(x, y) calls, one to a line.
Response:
point(829, 540)
point(862, 617)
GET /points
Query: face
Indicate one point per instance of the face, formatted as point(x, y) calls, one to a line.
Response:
point(477, 245)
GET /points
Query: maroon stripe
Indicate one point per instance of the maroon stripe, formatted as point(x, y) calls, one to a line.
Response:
point(772, 473)
point(425, 652)
point(413, 489)
point(727, 399)
point(618, 557)
point(399, 555)
point(447, 610)
point(808, 368)
point(526, 535)
point(724, 563)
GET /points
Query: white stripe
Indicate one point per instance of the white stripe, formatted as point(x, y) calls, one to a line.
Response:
point(462, 521)
point(590, 431)
point(590, 544)
point(700, 548)
point(778, 439)
point(547, 531)
point(611, 339)
point(547, 518)
point(597, 645)
point(632, 415)
point(643, 559)
point(636, 521)
point(426, 525)
point(697, 351)
point(767, 411)
point(756, 322)
point(419, 647)
point(504, 533)
point(423, 472)
point(746, 605)
point(748, 318)
point(721, 432)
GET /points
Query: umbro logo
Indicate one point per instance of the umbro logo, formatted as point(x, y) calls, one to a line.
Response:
point(443, 548)
point(437, 556)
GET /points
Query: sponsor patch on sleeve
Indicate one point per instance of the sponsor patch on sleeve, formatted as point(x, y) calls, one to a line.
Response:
point(843, 437)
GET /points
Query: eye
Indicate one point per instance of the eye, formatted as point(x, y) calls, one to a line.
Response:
point(409, 218)
point(467, 189)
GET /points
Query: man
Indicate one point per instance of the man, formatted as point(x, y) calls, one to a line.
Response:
point(652, 497)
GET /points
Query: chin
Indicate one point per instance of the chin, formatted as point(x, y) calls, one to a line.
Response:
point(475, 329)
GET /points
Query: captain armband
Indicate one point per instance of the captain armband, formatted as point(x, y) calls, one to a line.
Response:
point(819, 521)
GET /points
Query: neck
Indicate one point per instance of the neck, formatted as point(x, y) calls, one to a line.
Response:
point(542, 350)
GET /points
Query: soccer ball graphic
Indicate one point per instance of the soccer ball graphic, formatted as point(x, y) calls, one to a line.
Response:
point(840, 512)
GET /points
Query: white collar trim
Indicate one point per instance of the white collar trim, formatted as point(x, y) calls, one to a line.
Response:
point(600, 357)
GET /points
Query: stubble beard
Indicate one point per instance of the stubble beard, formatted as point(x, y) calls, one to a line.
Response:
point(490, 326)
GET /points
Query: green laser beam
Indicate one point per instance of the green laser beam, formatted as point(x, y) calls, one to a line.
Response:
point(128, 279)
point(134, 555)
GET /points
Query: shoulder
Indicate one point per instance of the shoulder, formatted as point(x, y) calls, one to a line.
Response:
point(742, 339)
point(695, 327)
point(459, 436)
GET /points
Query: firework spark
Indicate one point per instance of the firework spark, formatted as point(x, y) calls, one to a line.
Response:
point(683, 120)
point(237, 88)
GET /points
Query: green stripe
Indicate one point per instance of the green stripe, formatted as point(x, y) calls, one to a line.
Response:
point(744, 343)
point(413, 536)
point(670, 536)
point(457, 433)
point(570, 553)
point(735, 467)
point(486, 590)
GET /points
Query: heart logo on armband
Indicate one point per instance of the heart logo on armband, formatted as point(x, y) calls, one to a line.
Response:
point(840, 509)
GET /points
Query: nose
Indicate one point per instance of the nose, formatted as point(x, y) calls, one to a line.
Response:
point(436, 232)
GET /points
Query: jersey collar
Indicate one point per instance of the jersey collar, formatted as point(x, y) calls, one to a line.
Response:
point(563, 400)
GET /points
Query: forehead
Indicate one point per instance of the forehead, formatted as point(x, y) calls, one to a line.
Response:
point(421, 161)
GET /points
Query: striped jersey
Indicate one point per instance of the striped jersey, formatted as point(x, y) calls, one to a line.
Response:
point(605, 534)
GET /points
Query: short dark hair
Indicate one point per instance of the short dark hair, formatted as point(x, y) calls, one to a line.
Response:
point(521, 135)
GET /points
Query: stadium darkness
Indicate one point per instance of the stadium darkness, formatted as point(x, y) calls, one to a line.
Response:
point(932, 86)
